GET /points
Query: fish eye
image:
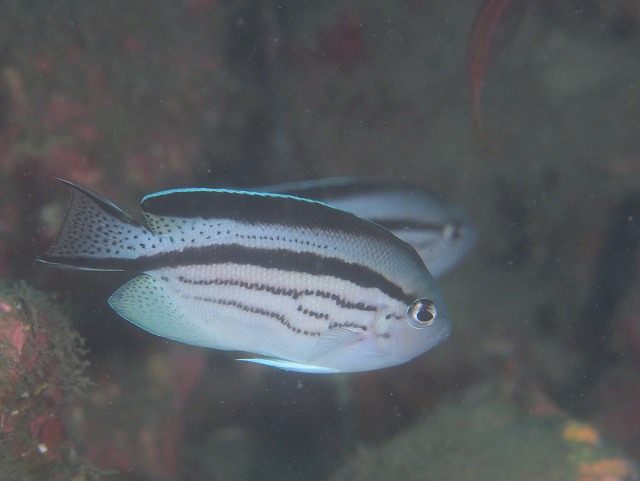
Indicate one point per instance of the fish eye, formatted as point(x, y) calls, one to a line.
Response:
point(422, 312)
point(452, 232)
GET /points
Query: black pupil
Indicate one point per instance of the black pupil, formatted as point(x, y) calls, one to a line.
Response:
point(424, 314)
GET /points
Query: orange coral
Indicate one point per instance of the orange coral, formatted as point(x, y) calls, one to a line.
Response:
point(580, 432)
point(613, 469)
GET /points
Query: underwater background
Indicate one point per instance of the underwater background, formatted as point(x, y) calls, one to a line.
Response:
point(540, 378)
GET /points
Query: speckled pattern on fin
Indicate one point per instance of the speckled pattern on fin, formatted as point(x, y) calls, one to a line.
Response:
point(143, 302)
point(291, 365)
point(97, 235)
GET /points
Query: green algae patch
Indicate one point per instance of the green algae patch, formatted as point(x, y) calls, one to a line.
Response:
point(42, 371)
point(489, 438)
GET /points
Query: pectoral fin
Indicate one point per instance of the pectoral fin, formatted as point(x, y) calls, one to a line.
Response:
point(334, 339)
point(145, 302)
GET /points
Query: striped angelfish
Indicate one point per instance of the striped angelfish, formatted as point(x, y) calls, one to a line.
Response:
point(306, 286)
point(440, 231)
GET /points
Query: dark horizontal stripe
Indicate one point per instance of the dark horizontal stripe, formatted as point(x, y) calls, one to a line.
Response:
point(279, 291)
point(264, 209)
point(425, 243)
point(407, 224)
point(361, 306)
point(338, 189)
point(275, 315)
point(260, 311)
point(337, 325)
point(333, 189)
point(314, 314)
point(280, 259)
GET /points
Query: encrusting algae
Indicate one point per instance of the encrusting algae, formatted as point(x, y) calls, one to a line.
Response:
point(41, 369)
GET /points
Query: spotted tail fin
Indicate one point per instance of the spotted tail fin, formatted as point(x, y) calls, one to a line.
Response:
point(96, 235)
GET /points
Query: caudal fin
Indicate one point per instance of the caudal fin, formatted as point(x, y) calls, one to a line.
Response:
point(96, 235)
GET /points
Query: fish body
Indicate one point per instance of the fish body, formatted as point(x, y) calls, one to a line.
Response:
point(309, 287)
point(440, 232)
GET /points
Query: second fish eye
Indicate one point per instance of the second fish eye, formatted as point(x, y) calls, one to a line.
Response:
point(452, 232)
